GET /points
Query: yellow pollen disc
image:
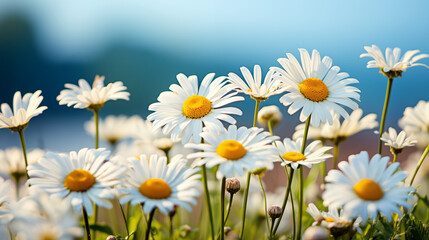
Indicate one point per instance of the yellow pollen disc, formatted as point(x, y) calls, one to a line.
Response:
point(328, 219)
point(293, 156)
point(314, 89)
point(368, 190)
point(79, 180)
point(231, 150)
point(155, 188)
point(196, 107)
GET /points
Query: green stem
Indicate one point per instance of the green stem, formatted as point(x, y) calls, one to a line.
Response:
point(271, 229)
point(96, 119)
point(85, 218)
point(255, 116)
point(287, 193)
point(125, 218)
point(293, 216)
point(383, 116)
point(246, 194)
point(323, 170)
point(149, 223)
point(395, 157)
point(94, 232)
point(24, 151)
point(265, 203)
point(270, 128)
point(171, 228)
point(222, 209)
point(425, 153)
point(336, 154)
point(229, 207)
point(207, 193)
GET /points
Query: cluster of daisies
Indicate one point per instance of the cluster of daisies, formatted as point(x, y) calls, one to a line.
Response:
point(191, 143)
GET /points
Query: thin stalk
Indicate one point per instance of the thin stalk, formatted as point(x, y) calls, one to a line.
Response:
point(255, 116)
point(24, 151)
point(323, 170)
point(395, 157)
point(270, 128)
point(265, 202)
point(336, 154)
point(231, 196)
point(301, 180)
point(207, 193)
point(149, 224)
point(94, 232)
point(85, 218)
point(272, 225)
point(246, 194)
point(125, 218)
point(171, 236)
point(222, 208)
point(425, 153)
point(383, 116)
point(293, 216)
point(96, 119)
point(287, 193)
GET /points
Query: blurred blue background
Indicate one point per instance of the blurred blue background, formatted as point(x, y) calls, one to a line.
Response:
point(45, 44)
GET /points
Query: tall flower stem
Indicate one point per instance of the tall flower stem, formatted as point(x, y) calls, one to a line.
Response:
point(125, 218)
point(171, 232)
point(229, 207)
point(24, 150)
point(395, 157)
point(336, 154)
point(265, 202)
point(246, 192)
point(149, 223)
point(207, 193)
point(222, 208)
point(85, 218)
point(287, 193)
point(425, 153)
point(383, 116)
point(301, 180)
point(272, 225)
point(96, 120)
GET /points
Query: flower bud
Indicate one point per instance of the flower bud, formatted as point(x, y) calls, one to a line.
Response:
point(232, 185)
point(316, 233)
point(275, 212)
point(269, 113)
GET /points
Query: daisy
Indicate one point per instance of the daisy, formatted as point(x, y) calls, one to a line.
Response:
point(396, 141)
point(24, 108)
point(83, 96)
point(367, 187)
point(183, 110)
point(81, 179)
point(234, 150)
point(112, 128)
point(337, 131)
point(152, 182)
point(253, 86)
point(12, 164)
point(317, 87)
point(415, 122)
point(269, 115)
point(392, 65)
point(290, 152)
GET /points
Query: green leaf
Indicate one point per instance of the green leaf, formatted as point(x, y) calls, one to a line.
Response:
point(102, 228)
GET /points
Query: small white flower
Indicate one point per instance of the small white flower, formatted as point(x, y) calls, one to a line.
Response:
point(83, 96)
point(24, 108)
point(366, 187)
point(184, 110)
point(234, 150)
point(397, 141)
point(415, 123)
point(12, 164)
point(81, 179)
point(154, 184)
point(393, 60)
point(290, 152)
point(112, 128)
point(333, 219)
point(253, 85)
point(269, 113)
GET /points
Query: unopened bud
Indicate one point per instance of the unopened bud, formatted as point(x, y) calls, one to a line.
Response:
point(316, 233)
point(232, 185)
point(111, 237)
point(275, 212)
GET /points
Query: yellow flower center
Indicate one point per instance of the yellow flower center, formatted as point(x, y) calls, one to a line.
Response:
point(155, 188)
point(368, 190)
point(293, 156)
point(314, 89)
point(79, 180)
point(231, 150)
point(196, 107)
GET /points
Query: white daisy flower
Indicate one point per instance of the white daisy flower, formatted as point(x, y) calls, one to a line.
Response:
point(12, 164)
point(290, 152)
point(81, 178)
point(339, 131)
point(24, 108)
point(415, 123)
point(154, 184)
point(112, 128)
point(253, 86)
point(393, 62)
point(269, 113)
point(183, 110)
point(234, 150)
point(333, 219)
point(146, 134)
point(397, 141)
point(317, 87)
point(83, 96)
point(367, 187)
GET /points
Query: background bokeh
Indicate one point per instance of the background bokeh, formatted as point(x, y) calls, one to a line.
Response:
point(45, 44)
